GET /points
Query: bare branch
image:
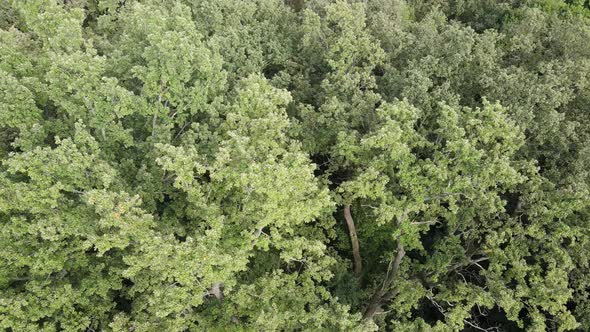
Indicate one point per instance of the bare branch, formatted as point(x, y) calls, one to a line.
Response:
point(381, 297)
point(471, 262)
point(431, 222)
point(256, 235)
point(479, 327)
point(215, 291)
point(358, 264)
point(181, 131)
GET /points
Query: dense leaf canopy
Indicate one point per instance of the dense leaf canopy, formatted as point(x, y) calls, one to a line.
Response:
point(297, 165)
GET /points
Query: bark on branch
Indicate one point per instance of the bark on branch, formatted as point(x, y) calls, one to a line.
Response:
point(215, 291)
point(356, 253)
point(381, 296)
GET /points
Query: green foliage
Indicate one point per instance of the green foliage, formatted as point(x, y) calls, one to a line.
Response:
point(184, 165)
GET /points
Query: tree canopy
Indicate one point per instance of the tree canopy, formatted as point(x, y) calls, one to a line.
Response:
point(296, 165)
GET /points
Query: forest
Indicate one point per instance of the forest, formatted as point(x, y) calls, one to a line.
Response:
point(294, 165)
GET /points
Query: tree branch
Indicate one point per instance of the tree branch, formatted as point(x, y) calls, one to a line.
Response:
point(381, 296)
point(432, 222)
point(356, 254)
point(181, 130)
point(215, 291)
point(473, 261)
point(257, 234)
